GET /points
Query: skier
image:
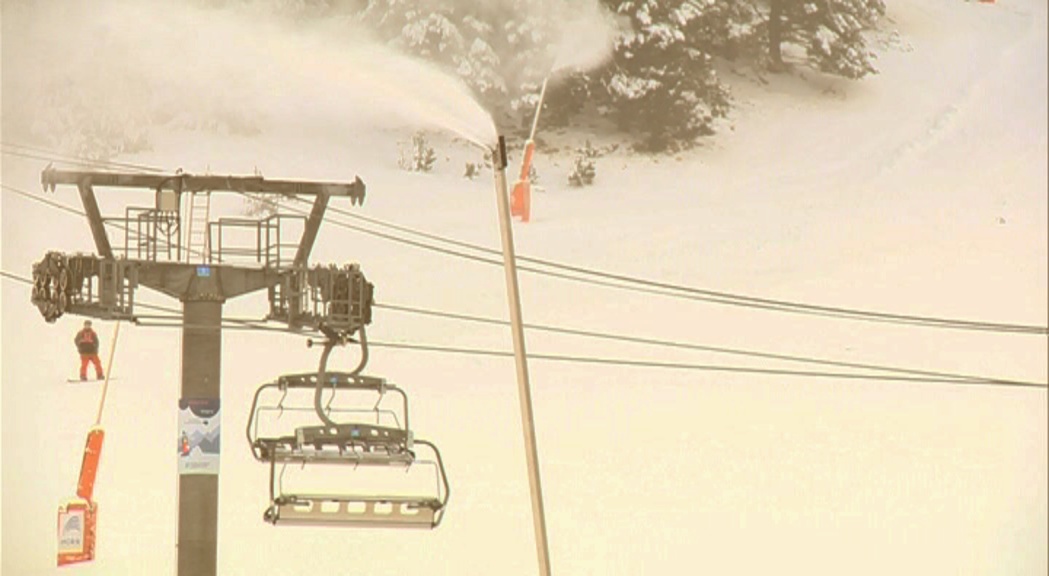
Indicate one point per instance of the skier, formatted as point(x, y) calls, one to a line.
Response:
point(87, 344)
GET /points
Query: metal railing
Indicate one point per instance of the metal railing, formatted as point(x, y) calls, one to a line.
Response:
point(151, 234)
point(269, 248)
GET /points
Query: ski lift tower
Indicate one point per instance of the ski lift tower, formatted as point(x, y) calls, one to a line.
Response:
point(190, 257)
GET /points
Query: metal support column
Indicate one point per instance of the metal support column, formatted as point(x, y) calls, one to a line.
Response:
point(94, 220)
point(198, 495)
point(313, 225)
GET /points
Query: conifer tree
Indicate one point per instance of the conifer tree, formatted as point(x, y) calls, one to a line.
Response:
point(662, 83)
point(830, 32)
point(449, 34)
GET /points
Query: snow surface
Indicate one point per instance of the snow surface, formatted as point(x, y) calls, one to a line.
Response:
point(919, 191)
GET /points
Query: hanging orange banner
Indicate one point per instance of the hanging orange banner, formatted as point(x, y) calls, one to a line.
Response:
point(85, 487)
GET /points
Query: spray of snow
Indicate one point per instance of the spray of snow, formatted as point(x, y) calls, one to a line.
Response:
point(586, 39)
point(126, 64)
point(382, 83)
point(195, 66)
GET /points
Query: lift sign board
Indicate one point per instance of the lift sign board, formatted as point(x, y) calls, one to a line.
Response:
point(199, 435)
point(76, 532)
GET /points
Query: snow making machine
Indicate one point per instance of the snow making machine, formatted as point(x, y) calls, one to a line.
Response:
point(343, 421)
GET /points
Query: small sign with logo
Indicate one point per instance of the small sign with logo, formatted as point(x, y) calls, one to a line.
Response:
point(199, 435)
point(76, 532)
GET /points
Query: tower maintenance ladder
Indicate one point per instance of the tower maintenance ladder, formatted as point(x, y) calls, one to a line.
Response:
point(198, 239)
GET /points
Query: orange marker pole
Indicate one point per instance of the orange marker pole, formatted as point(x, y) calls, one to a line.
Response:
point(109, 366)
point(85, 487)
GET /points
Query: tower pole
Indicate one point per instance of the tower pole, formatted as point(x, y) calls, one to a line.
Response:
point(198, 494)
point(523, 386)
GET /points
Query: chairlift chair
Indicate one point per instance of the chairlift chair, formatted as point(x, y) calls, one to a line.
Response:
point(369, 437)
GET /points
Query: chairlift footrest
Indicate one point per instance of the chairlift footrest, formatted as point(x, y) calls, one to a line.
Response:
point(317, 509)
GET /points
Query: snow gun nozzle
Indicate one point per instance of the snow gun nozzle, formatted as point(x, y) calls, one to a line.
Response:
point(500, 154)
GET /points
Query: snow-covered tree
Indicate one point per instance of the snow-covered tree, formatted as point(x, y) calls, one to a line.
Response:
point(661, 83)
point(729, 29)
point(417, 156)
point(525, 38)
point(449, 34)
point(830, 32)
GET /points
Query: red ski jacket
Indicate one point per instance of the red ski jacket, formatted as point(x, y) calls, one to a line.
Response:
point(86, 341)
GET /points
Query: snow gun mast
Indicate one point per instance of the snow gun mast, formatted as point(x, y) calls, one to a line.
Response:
point(521, 197)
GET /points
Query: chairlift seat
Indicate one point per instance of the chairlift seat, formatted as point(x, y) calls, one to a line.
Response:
point(353, 443)
point(285, 454)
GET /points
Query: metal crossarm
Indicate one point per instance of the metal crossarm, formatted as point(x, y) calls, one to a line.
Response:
point(183, 182)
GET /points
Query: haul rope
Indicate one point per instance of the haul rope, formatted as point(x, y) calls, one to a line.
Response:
point(109, 366)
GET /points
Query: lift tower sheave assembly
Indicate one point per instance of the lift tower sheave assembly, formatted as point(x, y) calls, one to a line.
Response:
point(154, 253)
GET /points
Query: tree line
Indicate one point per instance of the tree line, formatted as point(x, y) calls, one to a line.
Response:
point(660, 82)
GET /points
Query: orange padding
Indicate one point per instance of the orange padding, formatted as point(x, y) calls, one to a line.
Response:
point(526, 160)
point(521, 200)
point(85, 487)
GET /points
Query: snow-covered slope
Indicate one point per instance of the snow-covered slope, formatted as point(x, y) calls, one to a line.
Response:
point(921, 190)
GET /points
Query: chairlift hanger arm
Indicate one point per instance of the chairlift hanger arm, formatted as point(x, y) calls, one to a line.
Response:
point(182, 182)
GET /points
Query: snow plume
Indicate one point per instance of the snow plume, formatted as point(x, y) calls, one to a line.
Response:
point(96, 68)
point(585, 38)
point(577, 35)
